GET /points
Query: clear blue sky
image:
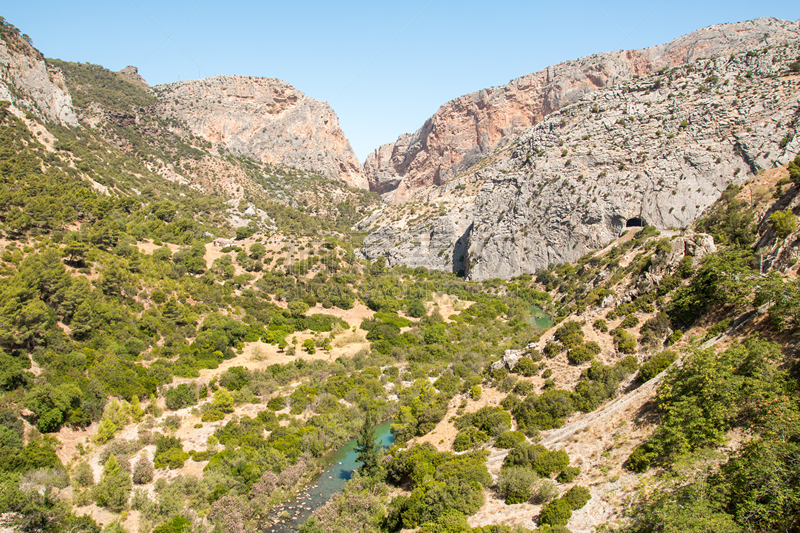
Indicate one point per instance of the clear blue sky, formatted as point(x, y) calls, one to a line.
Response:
point(383, 66)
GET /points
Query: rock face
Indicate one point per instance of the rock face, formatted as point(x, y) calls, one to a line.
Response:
point(468, 128)
point(266, 119)
point(658, 150)
point(132, 75)
point(29, 84)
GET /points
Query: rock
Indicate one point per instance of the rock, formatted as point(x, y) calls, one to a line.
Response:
point(659, 150)
point(30, 84)
point(509, 360)
point(467, 129)
point(132, 75)
point(266, 119)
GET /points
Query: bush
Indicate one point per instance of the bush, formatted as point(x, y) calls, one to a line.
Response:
point(629, 322)
point(475, 392)
point(514, 484)
point(583, 353)
point(180, 397)
point(277, 404)
point(551, 462)
point(569, 334)
point(469, 438)
point(555, 513)
point(526, 367)
point(544, 491)
point(143, 471)
point(625, 341)
point(212, 415)
point(784, 222)
point(509, 439)
point(416, 309)
point(600, 325)
point(657, 364)
point(577, 497)
point(568, 474)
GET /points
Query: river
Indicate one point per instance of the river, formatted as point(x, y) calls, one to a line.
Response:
point(342, 463)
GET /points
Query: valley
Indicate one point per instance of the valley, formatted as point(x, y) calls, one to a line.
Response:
point(564, 304)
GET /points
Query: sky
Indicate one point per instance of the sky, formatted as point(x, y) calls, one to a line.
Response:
point(384, 67)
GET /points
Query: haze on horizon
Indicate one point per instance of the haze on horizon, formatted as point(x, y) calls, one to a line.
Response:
point(383, 67)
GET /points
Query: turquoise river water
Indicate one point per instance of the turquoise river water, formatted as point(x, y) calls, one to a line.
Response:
point(342, 464)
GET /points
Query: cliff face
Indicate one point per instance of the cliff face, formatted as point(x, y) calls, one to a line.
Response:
point(468, 128)
point(266, 119)
point(29, 84)
point(658, 150)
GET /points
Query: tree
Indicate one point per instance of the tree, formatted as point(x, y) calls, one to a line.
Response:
point(368, 449)
point(515, 483)
point(308, 345)
point(115, 486)
point(784, 222)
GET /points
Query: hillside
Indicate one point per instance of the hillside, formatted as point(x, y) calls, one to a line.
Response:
point(658, 150)
point(471, 127)
point(187, 332)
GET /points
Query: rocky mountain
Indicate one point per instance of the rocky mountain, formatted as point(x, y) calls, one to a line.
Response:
point(469, 128)
point(29, 83)
point(265, 119)
point(656, 150)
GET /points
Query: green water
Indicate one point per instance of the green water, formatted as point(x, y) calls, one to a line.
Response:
point(342, 465)
point(539, 318)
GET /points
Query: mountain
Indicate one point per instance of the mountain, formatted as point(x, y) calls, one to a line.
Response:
point(657, 149)
point(469, 128)
point(188, 333)
point(265, 119)
point(29, 83)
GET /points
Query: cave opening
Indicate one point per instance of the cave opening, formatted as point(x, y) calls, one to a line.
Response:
point(635, 222)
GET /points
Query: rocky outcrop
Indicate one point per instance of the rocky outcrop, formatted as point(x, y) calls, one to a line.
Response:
point(266, 119)
point(658, 150)
point(132, 75)
point(468, 128)
point(30, 84)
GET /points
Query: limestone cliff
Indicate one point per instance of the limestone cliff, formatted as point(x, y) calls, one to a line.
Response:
point(29, 83)
point(468, 128)
point(657, 150)
point(266, 119)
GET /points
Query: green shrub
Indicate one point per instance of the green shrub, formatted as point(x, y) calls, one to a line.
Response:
point(509, 439)
point(277, 403)
point(514, 484)
point(600, 325)
point(583, 353)
point(656, 364)
point(569, 334)
point(629, 322)
point(469, 438)
point(549, 463)
point(625, 341)
point(178, 524)
point(526, 367)
point(577, 497)
point(475, 392)
point(556, 513)
point(212, 415)
point(568, 474)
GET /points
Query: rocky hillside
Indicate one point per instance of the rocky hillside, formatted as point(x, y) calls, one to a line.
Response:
point(469, 128)
point(265, 119)
point(28, 83)
point(656, 150)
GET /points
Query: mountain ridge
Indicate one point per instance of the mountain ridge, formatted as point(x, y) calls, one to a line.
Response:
point(470, 127)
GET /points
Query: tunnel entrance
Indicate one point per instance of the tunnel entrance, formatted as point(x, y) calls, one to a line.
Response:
point(635, 222)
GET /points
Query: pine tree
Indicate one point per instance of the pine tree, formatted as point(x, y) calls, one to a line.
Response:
point(367, 449)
